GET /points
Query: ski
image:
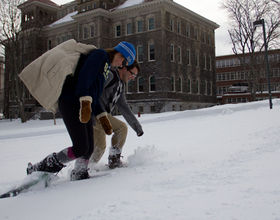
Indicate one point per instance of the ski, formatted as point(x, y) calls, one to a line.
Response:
point(44, 177)
point(29, 182)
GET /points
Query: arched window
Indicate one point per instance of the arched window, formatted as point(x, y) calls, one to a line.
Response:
point(189, 85)
point(129, 86)
point(197, 86)
point(180, 85)
point(140, 84)
point(173, 84)
point(152, 84)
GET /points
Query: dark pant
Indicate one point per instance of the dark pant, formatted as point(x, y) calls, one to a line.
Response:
point(81, 134)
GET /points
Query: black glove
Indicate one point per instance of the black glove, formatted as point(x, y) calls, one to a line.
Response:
point(140, 134)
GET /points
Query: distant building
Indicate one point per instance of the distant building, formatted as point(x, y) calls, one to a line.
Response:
point(232, 83)
point(175, 46)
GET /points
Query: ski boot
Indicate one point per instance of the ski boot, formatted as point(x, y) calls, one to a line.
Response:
point(49, 164)
point(114, 161)
point(79, 174)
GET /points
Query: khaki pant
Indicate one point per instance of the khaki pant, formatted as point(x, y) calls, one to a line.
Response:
point(117, 141)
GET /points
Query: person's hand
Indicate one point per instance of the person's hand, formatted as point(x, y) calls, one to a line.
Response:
point(105, 123)
point(140, 134)
point(85, 109)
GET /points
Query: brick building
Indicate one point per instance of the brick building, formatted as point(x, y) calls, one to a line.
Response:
point(175, 46)
point(232, 80)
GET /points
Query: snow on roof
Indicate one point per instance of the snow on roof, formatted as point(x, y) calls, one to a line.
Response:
point(66, 18)
point(129, 3)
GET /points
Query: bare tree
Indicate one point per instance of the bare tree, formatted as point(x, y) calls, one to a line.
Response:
point(10, 21)
point(18, 39)
point(247, 39)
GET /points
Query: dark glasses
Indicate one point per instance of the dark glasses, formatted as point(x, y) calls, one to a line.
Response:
point(132, 74)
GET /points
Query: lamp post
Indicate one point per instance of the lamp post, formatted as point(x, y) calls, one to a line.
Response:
point(257, 24)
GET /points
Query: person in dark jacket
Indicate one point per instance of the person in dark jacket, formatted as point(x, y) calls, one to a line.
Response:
point(114, 95)
point(79, 100)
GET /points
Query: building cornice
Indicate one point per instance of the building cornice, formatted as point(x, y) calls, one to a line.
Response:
point(36, 3)
point(65, 24)
point(97, 11)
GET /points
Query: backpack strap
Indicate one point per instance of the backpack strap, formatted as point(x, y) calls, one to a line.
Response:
point(114, 80)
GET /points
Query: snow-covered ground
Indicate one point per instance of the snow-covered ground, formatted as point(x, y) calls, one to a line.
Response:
point(220, 163)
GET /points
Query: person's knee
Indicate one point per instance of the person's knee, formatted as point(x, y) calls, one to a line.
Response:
point(123, 128)
point(82, 150)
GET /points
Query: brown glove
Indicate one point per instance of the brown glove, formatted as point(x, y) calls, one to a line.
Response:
point(85, 109)
point(105, 123)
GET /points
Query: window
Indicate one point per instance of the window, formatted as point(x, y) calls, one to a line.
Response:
point(141, 109)
point(128, 28)
point(129, 86)
point(11, 97)
point(196, 34)
point(85, 33)
point(151, 24)
point(209, 40)
point(187, 31)
point(93, 5)
point(196, 59)
point(63, 39)
point(178, 27)
point(152, 109)
point(139, 26)
point(189, 85)
point(140, 54)
point(203, 38)
point(179, 55)
point(151, 52)
point(92, 31)
point(104, 5)
point(152, 84)
point(171, 24)
point(118, 31)
point(205, 92)
point(49, 44)
point(140, 84)
point(197, 86)
point(209, 64)
point(188, 57)
point(204, 61)
point(173, 84)
point(180, 85)
point(172, 53)
point(211, 88)
point(88, 7)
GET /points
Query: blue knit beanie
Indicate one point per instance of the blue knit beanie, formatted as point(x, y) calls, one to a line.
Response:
point(127, 50)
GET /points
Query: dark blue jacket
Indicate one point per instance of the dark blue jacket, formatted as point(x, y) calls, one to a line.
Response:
point(91, 73)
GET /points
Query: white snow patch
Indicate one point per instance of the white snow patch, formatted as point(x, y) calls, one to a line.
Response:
point(215, 163)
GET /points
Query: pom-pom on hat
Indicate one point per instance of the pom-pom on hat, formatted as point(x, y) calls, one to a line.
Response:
point(127, 50)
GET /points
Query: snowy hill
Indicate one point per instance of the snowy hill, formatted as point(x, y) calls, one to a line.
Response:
point(218, 163)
